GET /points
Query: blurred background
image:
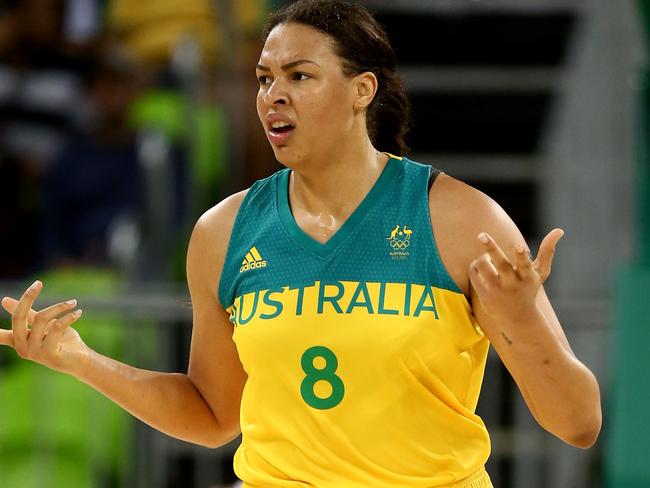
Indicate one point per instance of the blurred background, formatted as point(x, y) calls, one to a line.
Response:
point(121, 121)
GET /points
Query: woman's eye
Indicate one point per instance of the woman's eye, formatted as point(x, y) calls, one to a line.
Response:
point(263, 79)
point(300, 76)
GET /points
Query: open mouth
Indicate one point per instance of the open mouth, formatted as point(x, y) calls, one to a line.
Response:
point(281, 128)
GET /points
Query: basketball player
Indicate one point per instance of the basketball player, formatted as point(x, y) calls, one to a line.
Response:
point(331, 327)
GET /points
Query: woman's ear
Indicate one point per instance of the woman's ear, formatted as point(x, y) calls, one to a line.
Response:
point(366, 86)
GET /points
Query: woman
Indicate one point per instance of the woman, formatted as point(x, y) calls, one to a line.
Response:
point(353, 342)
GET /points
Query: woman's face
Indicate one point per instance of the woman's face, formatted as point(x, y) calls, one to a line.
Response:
point(305, 102)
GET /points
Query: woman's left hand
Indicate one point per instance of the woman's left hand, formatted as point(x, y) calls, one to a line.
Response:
point(508, 290)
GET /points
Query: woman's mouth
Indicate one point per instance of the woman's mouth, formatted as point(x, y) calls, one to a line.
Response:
point(280, 132)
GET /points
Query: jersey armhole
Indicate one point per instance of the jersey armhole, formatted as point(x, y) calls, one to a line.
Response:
point(433, 174)
point(225, 300)
point(229, 271)
point(451, 283)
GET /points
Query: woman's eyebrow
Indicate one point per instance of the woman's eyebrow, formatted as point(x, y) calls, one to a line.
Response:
point(287, 66)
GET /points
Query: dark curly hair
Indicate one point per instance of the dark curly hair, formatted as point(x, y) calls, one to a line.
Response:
point(363, 46)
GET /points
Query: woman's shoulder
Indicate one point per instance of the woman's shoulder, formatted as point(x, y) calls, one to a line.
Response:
point(462, 202)
point(208, 245)
point(223, 215)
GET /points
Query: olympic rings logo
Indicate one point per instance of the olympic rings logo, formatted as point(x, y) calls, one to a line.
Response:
point(399, 245)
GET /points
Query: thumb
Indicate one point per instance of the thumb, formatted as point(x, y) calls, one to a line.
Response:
point(10, 304)
point(546, 252)
point(6, 338)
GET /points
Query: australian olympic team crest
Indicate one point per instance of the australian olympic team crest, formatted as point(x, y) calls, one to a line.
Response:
point(399, 241)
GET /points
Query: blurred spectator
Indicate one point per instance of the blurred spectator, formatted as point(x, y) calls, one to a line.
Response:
point(40, 84)
point(87, 159)
point(227, 35)
point(95, 178)
point(40, 92)
point(152, 29)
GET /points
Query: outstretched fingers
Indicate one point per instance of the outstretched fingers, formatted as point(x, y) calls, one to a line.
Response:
point(19, 322)
point(58, 327)
point(44, 317)
point(29, 327)
point(523, 264)
point(482, 272)
point(501, 262)
point(544, 260)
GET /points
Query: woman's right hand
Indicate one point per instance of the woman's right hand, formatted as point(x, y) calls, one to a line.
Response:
point(45, 337)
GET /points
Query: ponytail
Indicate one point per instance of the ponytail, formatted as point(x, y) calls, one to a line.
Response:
point(388, 115)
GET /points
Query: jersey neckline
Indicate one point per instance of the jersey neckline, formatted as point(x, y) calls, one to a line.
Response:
point(308, 242)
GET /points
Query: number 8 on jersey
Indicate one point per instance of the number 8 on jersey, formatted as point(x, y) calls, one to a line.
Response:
point(314, 375)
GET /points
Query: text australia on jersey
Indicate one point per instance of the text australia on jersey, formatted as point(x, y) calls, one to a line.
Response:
point(336, 297)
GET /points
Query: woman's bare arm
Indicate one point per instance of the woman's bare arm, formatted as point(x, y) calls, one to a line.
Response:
point(215, 368)
point(490, 261)
point(198, 407)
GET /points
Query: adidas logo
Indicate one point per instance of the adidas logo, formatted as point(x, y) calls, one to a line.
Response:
point(253, 260)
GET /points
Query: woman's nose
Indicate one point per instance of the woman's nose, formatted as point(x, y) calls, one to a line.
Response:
point(275, 94)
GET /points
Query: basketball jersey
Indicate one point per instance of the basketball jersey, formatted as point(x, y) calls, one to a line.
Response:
point(364, 360)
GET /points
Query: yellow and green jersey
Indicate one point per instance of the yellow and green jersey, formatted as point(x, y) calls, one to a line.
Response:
point(364, 360)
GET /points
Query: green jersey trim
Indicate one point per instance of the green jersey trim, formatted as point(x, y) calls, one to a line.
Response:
point(325, 249)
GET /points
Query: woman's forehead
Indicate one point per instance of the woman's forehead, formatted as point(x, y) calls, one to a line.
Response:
point(288, 42)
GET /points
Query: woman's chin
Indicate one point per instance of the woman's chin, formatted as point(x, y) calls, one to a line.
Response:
point(287, 155)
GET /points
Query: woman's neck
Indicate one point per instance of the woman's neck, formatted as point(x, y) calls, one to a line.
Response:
point(331, 189)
